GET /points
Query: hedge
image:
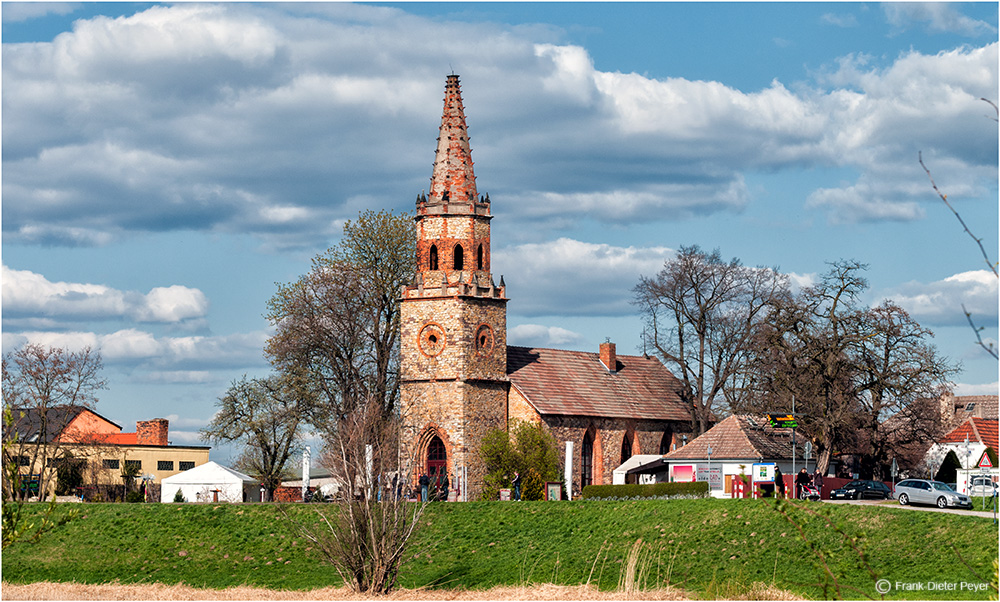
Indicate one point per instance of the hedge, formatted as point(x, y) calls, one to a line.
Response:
point(698, 489)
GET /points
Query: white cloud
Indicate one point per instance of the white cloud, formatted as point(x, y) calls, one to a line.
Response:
point(15, 12)
point(571, 277)
point(247, 118)
point(537, 335)
point(938, 16)
point(162, 358)
point(26, 293)
point(983, 389)
point(840, 19)
point(941, 302)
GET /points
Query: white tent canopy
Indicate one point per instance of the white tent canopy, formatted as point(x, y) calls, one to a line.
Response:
point(211, 482)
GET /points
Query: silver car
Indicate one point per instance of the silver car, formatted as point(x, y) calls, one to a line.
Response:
point(922, 491)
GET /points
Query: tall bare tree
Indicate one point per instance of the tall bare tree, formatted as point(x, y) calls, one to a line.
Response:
point(370, 527)
point(43, 389)
point(901, 376)
point(860, 376)
point(339, 323)
point(266, 416)
point(702, 315)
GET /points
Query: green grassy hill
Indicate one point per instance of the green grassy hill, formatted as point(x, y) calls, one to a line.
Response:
point(711, 548)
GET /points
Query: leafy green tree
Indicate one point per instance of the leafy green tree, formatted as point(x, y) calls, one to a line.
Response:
point(339, 324)
point(527, 448)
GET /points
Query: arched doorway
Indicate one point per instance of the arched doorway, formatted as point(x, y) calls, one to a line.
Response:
point(587, 461)
point(437, 463)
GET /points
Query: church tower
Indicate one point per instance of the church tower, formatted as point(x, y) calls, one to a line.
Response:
point(453, 326)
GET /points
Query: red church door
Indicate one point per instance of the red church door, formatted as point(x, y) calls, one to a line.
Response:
point(437, 464)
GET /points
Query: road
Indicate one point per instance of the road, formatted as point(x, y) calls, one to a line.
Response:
point(895, 504)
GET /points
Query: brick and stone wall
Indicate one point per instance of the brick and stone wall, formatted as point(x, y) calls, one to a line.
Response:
point(609, 434)
point(460, 413)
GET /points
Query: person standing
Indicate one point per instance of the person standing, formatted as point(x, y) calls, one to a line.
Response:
point(424, 481)
point(779, 482)
point(818, 482)
point(445, 485)
point(517, 486)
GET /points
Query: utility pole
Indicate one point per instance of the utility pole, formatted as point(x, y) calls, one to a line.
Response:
point(793, 441)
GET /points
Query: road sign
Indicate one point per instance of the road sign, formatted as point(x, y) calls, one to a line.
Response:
point(895, 468)
point(984, 462)
point(808, 448)
point(782, 421)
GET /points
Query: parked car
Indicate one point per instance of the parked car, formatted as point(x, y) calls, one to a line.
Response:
point(862, 490)
point(983, 486)
point(922, 491)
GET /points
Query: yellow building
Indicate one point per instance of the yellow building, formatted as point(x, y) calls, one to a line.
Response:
point(95, 449)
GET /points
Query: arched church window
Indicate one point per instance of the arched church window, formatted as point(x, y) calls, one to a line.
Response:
point(665, 443)
point(479, 258)
point(587, 461)
point(433, 260)
point(626, 447)
point(459, 258)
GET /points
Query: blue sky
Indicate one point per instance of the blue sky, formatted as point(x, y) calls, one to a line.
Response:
point(165, 165)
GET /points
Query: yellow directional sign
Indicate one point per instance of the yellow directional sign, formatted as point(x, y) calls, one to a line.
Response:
point(782, 421)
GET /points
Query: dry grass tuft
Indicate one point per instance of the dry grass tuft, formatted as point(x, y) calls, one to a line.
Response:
point(116, 591)
point(765, 591)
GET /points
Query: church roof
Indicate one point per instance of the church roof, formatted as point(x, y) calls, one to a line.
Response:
point(576, 383)
point(741, 437)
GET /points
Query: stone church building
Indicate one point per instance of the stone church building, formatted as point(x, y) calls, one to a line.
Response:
point(461, 379)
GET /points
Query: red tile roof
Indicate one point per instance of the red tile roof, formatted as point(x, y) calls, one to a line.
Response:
point(741, 437)
point(976, 429)
point(576, 383)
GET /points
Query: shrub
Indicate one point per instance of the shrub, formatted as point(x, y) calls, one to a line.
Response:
point(533, 487)
point(597, 492)
point(528, 448)
point(134, 497)
point(179, 497)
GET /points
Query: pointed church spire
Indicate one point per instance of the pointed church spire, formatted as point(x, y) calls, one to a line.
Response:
point(453, 183)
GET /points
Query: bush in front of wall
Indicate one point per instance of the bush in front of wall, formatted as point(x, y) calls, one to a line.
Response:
point(657, 490)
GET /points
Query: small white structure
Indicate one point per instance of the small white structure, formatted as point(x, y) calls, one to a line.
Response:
point(321, 479)
point(619, 475)
point(211, 482)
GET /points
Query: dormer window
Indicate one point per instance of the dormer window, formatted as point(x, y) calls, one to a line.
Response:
point(459, 258)
point(433, 259)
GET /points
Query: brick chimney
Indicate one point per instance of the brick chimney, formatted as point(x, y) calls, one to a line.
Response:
point(608, 356)
point(151, 432)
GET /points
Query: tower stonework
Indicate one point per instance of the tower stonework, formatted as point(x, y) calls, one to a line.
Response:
point(453, 324)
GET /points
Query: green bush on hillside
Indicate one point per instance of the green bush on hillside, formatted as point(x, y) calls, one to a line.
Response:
point(599, 492)
point(529, 449)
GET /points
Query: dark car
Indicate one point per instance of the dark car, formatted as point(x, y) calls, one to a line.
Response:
point(862, 490)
